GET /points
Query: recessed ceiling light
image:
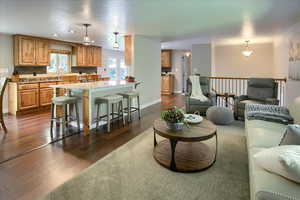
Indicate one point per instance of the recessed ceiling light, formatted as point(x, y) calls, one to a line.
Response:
point(55, 34)
point(71, 31)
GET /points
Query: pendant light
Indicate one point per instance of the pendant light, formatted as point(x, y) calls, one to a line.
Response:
point(247, 52)
point(116, 44)
point(86, 38)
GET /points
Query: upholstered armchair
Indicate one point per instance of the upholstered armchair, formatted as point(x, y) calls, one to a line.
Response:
point(193, 105)
point(259, 91)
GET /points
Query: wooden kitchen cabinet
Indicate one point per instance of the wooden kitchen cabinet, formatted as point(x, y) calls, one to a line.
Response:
point(80, 52)
point(46, 95)
point(128, 49)
point(87, 56)
point(28, 99)
point(166, 58)
point(167, 84)
point(97, 57)
point(42, 52)
point(31, 51)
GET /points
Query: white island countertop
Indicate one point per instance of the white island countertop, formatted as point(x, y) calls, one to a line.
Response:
point(94, 85)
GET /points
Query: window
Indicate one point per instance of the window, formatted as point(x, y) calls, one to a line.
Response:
point(117, 70)
point(59, 63)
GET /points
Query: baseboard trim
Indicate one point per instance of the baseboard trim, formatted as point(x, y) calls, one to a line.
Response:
point(150, 103)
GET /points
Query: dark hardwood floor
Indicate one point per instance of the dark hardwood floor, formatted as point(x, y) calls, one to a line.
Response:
point(37, 172)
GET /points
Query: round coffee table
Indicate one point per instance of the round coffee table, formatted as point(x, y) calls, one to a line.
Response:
point(183, 151)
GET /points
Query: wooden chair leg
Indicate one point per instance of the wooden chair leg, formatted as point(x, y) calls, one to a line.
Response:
point(3, 125)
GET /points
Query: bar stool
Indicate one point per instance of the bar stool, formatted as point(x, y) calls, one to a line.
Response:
point(129, 96)
point(64, 101)
point(110, 101)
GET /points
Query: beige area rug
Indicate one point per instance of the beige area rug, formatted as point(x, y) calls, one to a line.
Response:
point(131, 173)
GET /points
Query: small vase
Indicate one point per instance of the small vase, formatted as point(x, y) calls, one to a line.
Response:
point(175, 126)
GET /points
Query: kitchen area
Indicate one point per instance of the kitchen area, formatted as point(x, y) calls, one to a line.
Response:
point(41, 62)
point(40, 69)
point(175, 70)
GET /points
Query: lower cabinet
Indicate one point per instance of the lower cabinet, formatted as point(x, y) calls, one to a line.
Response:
point(28, 99)
point(167, 84)
point(46, 95)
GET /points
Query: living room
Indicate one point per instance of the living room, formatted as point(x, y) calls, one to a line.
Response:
point(112, 100)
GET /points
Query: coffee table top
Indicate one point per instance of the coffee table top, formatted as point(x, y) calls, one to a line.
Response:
point(195, 132)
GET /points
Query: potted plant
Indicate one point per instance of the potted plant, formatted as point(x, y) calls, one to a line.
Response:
point(174, 118)
point(129, 78)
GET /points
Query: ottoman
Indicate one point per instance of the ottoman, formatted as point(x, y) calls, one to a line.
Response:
point(220, 115)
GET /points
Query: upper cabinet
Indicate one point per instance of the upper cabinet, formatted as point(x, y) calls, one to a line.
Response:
point(87, 56)
point(42, 56)
point(30, 51)
point(128, 49)
point(166, 58)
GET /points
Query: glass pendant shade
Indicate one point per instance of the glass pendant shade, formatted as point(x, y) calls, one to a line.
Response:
point(247, 52)
point(116, 44)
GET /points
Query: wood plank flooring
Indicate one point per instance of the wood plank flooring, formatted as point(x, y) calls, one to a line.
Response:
point(34, 174)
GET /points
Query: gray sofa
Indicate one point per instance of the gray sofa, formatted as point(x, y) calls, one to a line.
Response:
point(193, 105)
point(259, 91)
point(261, 135)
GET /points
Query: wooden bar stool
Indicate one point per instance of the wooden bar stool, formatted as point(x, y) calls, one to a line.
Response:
point(3, 83)
point(110, 101)
point(64, 101)
point(129, 96)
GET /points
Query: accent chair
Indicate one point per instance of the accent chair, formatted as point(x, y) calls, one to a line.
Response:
point(195, 105)
point(259, 91)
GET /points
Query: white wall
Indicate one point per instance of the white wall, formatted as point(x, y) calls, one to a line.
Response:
point(201, 59)
point(229, 61)
point(146, 68)
point(6, 62)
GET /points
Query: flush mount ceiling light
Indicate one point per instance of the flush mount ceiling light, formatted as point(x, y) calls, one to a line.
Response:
point(86, 39)
point(116, 44)
point(247, 52)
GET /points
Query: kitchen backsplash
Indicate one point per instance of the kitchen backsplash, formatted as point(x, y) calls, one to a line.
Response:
point(87, 70)
point(43, 69)
point(30, 70)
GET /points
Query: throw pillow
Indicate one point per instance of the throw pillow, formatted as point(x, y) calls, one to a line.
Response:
point(281, 160)
point(291, 135)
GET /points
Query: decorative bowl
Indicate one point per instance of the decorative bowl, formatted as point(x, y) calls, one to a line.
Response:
point(193, 119)
point(175, 126)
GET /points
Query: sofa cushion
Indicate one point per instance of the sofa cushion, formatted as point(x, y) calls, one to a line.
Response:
point(262, 180)
point(281, 160)
point(291, 135)
point(263, 133)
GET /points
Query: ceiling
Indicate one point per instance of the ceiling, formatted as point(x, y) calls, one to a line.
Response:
point(185, 22)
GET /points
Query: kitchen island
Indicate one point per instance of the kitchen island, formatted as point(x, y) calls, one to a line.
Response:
point(87, 92)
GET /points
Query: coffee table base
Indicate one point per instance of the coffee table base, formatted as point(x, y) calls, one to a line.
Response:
point(189, 156)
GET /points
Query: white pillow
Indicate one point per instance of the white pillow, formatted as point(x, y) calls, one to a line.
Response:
point(282, 160)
